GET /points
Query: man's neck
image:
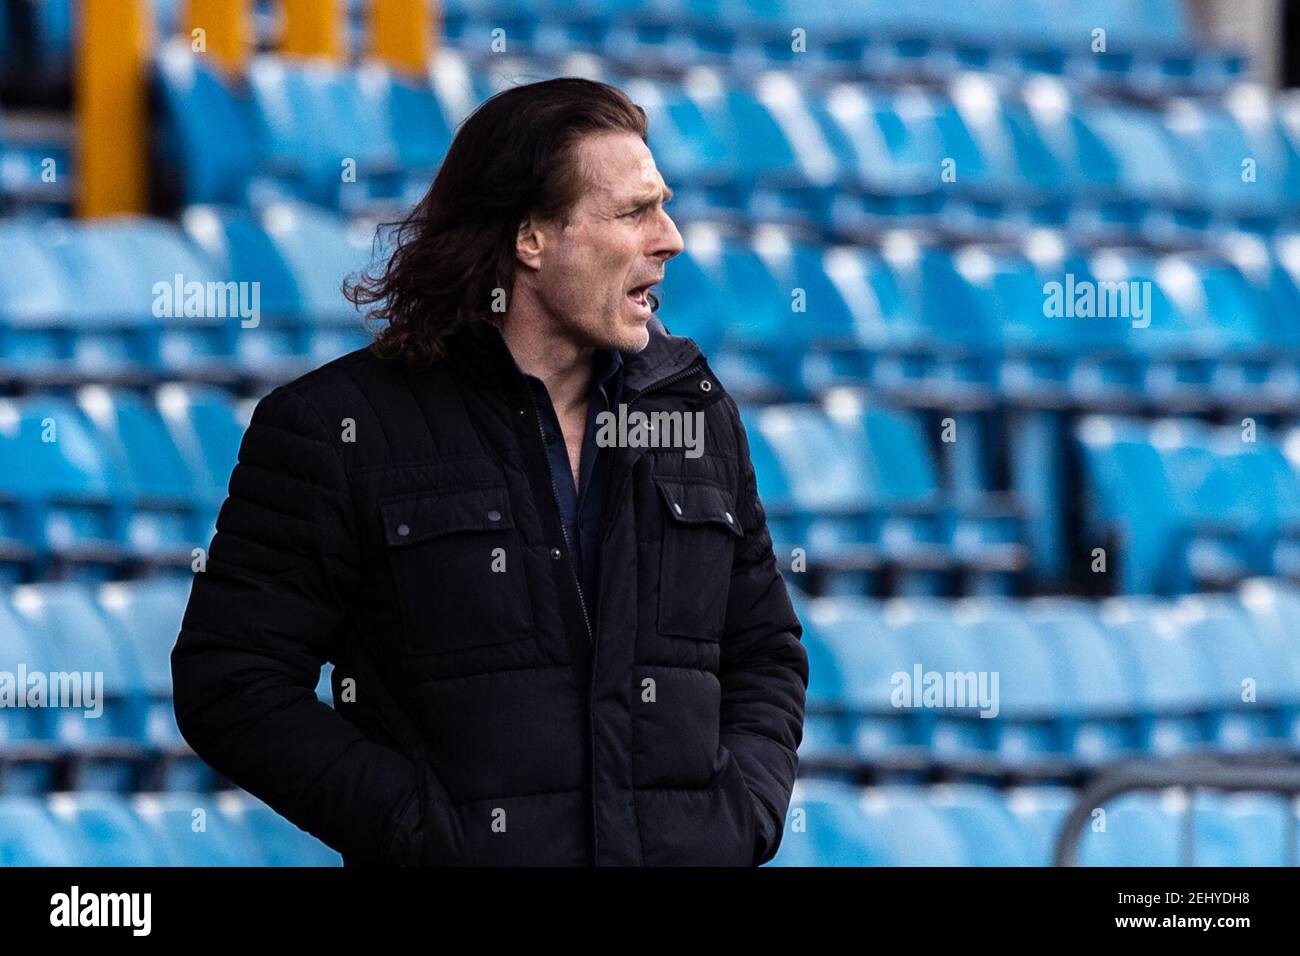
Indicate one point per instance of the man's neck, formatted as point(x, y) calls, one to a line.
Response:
point(563, 366)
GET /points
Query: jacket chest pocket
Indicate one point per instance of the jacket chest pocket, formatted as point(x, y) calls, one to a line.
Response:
point(700, 534)
point(458, 564)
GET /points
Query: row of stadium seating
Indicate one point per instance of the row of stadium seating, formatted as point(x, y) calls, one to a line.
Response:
point(110, 481)
point(1148, 48)
point(828, 824)
point(234, 294)
point(125, 632)
point(845, 159)
point(105, 480)
point(858, 490)
point(1189, 505)
point(1077, 683)
point(902, 684)
point(94, 828)
point(836, 824)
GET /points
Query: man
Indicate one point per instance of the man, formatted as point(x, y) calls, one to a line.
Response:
point(548, 649)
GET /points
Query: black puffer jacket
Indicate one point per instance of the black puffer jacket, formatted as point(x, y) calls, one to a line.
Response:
point(403, 525)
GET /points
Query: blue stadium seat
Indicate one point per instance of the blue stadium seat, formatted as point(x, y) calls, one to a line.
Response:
point(989, 834)
point(191, 830)
point(282, 843)
point(102, 829)
point(1140, 829)
point(27, 747)
point(57, 486)
point(29, 836)
point(825, 826)
point(1039, 812)
point(1170, 684)
point(69, 635)
point(911, 831)
point(148, 472)
point(207, 127)
point(1096, 701)
point(1239, 830)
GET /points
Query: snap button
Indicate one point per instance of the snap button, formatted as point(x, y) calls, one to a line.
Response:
point(555, 553)
point(403, 530)
point(677, 507)
point(705, 385)
point(728, 516)
point(494, 515)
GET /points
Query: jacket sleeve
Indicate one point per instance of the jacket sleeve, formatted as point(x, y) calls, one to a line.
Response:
point(259, 624)
point(764, 666)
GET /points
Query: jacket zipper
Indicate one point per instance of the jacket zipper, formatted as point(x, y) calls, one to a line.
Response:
point(591, 689)
point(568, 547)
point(582, 602)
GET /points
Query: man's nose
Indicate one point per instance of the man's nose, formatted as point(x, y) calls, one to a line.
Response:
point(668, 241)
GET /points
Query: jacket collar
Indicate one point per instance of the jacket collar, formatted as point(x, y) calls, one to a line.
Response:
point(479, 349)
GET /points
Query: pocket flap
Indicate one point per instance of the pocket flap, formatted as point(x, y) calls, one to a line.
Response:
point(699, 502)
point(409, 519)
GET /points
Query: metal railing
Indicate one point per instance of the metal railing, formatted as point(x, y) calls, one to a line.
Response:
point(1259, 773)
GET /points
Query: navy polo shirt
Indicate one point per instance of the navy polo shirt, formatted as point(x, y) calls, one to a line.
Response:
point(580, 507)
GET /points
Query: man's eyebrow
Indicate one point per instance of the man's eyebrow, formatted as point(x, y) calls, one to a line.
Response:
point(646, 199)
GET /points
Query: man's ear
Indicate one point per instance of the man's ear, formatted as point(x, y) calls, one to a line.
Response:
point(529, 242)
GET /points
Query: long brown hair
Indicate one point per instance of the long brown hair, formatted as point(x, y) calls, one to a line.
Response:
point(514, 155)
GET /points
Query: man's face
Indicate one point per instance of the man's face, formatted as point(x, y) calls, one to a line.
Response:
point(591, 276)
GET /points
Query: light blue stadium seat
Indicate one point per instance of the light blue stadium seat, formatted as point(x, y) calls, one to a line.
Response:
point(1171, 685)
point(57, 485)
point(860, 654)
point(312, 118)
point(1272, 608)
point(207, 427)
point(320, 251)
point(989, 834)
point(1023, 713)
point(282, 843)
point(912, 832)
point(1039, 812)
point(148, 472)
point(68, 634)
point(29, 836)
point(1242, 829)
point(146, 618)
point(102, 829)
point(1141, 829)
point(1245, 681)
point(34, 302)
point(207, 127)
point(241, 251)
point(27, 747)
point(825, 826)
point(191, 830)
point(1097, 703)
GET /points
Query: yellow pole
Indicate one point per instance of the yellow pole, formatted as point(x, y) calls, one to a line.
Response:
point(401, 33)
point(111, 106)
point(314, 28)
point(226, 31)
